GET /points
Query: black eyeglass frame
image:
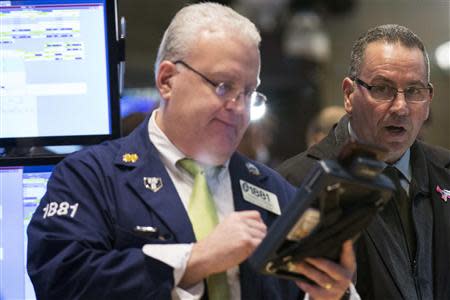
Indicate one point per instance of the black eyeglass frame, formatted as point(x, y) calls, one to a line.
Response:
point(218, 86)
point(370, 87)
point(197, 72)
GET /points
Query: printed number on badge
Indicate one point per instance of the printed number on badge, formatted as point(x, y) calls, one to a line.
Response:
point(60, 209)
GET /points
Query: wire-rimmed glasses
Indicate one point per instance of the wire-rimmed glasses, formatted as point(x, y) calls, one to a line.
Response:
point(228, 91)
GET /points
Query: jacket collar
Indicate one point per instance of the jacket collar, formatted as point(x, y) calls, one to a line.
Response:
point(166, 204)
point(243, 169)
point(332, 144)
point(138, 143)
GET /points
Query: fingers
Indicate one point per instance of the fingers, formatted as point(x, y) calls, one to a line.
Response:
point(327, 286)
point(347, 266)
point(249, 214)
point(318, 293)
point(332, 279)
point(332, 271)
point(253, 226)
point(321, 278)
point(257, 228)
point(234, 239)
point(348, 259)
point(250, 222)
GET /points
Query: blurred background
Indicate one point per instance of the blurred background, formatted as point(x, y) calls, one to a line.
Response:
point(305, 53)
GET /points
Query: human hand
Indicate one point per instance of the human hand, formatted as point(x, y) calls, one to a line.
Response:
point(234, 239)
point(231, 242)
point(332, 279)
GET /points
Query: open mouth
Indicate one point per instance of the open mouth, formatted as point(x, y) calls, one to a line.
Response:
point(396, 129)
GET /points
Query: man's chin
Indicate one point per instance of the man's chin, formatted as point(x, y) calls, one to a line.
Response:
point(217, 156)
point(395, 151)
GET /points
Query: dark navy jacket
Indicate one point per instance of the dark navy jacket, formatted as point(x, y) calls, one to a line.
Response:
point(81, 243)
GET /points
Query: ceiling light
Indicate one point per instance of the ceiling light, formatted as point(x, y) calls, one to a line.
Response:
point(442, 55)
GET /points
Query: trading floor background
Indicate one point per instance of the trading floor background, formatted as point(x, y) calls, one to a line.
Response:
point(305, 49)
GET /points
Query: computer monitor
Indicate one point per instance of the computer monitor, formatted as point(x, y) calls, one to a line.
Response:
point(58, 72)
point(22, 185)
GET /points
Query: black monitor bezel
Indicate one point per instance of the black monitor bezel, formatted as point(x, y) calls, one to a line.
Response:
point(30, 161)
point(111, 23)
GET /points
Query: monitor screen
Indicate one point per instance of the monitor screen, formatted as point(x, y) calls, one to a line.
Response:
point(58, 72)
point(21, 189)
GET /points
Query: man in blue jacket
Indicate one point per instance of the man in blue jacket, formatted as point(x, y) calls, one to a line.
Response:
point(119, 220)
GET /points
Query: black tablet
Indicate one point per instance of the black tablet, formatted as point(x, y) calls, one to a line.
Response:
point(336, 201)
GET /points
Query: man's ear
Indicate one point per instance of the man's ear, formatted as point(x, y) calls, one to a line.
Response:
point(431, 92)
point(348, 88)
point(431, 99)
point(164, 77)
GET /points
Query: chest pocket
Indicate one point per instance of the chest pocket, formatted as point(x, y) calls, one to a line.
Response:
point(126, 238)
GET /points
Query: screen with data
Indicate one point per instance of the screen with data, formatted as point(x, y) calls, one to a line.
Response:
point(58, 75)
point(21, 189)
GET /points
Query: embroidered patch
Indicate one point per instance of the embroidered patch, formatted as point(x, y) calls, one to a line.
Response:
point(153, 184)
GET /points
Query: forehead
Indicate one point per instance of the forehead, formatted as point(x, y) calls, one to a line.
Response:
point(220, 51)
point(385, 59)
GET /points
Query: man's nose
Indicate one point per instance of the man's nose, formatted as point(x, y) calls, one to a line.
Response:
point(238, 103)
point(400, 103)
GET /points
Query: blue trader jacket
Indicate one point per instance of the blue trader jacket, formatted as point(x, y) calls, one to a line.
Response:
point(81, 242)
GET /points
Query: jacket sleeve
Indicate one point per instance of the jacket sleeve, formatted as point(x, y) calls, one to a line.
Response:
point(72, 243)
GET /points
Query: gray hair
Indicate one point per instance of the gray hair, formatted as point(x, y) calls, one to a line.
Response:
point(196, 18)
point(390, 33)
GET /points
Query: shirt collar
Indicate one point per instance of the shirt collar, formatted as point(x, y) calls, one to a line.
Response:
point(402, 164)
point(168, 152)
point(351, 132)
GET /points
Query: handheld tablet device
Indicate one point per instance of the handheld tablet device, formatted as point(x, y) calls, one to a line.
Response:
point(336, 201)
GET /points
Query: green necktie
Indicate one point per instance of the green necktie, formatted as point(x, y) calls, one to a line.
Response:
point(203, 215)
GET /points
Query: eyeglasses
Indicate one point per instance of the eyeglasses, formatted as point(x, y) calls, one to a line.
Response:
point(388, 93)
point(227, 91)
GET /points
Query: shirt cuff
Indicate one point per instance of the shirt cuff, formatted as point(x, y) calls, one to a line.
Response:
point(353, 293)
point(176, 256)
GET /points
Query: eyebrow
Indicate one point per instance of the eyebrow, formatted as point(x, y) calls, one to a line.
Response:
point(385, 80)
point(416, 83)
point(222, 76)
point(382, 79)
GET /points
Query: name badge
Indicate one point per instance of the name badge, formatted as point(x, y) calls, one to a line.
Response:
point(260, 197)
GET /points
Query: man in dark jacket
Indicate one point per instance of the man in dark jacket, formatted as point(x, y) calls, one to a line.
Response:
point(405, 251)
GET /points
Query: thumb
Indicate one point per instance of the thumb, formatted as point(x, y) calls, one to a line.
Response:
point(348, 259)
